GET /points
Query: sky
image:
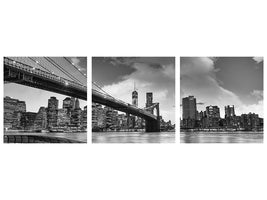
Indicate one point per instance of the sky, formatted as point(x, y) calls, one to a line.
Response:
point(224, 81)
point(35, 98)
point(118, 75)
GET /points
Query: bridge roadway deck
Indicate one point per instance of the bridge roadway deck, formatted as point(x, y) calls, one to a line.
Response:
point(106, 100)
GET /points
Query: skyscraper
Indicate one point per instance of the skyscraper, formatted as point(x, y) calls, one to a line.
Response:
point(229, 111)
point(52, 112)
point(230, 117)
point(189, 112)
point(77, 104)
point(135, 97)
point(40, 121)
point(98, 117)
point(52, 103)
point(63, 119)
point(189, 107)
point(21, 106)
point(213, 116)
point(213, 111)
point(13, 109)
point(84, 118)
point(76, 115)
point(27, 120)
point(67, 104)
point(72, 103)
point(135, 103)
point(149, 99)
point(250, 121)
point(94, 115)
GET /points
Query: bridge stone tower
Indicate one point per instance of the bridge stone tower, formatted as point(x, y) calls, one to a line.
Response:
point(152, 125)
point(149, 99)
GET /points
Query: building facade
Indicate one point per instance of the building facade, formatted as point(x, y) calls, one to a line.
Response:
point(67, 104)
point(63, 119)
point(13, 109)
point(213, 116)
point(52, 109)
point(189, 106)
point(27, 120)
point(135, 98)
point(40, 122)
point(84, 118)
point(230, 118)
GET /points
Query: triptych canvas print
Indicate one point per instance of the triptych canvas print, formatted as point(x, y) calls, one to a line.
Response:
point(133, 100)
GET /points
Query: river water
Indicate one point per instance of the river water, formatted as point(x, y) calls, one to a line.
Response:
point(221, 137)
point(76, 136)
point(133, 137)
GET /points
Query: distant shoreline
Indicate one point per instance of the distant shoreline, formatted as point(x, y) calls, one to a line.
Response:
point(221, 131)
point(46, 131)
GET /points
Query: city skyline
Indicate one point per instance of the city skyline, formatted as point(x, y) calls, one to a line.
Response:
point(224, 81)
point(25, 93)
point(119, 76)
point(60, 104)
point(52, 116)
point(211, 118)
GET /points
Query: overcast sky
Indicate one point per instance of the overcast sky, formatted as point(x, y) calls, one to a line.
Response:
point(224, 81)
point(117, 77)
point(35, 98)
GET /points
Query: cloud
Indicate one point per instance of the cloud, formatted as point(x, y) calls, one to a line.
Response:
point(258, 59)
point(76, 62)
point(160, 81)
point(198, 78)
point(253, 108)
point(258, 94)
point(119, 60)
point(156, 62)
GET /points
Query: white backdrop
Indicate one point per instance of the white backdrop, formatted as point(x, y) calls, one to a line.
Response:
point(132, 28)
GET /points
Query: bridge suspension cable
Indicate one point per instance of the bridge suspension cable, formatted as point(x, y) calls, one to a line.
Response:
point(107, 94)
point(75, 67)
point(62, 70)
point(40, 65)
point(94, 83)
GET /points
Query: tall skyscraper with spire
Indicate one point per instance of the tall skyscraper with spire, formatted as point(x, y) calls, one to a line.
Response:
point(135, 97)
point(134, 103)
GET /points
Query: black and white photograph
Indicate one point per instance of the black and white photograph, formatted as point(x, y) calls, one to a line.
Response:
point(173, 91)
point(221, 100)
point(45, 99)
point(133, 100)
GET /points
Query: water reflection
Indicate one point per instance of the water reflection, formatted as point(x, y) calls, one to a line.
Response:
point(133, 137)
point(76, 136)
point(219, 137)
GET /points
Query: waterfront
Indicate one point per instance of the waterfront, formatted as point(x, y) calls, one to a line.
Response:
point(73, 136)
point(133, 137)
point(221, 137)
